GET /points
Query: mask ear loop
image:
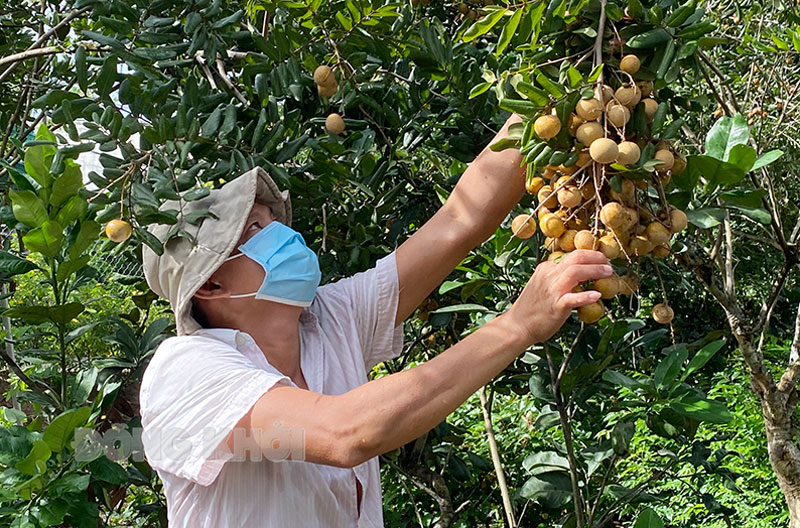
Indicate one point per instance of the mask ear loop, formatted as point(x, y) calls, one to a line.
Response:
point(241, 294)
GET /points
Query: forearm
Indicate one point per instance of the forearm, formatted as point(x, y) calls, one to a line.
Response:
point(389, 412)
point(491, 186)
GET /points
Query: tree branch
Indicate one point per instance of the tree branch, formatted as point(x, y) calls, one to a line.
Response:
point(496, 460)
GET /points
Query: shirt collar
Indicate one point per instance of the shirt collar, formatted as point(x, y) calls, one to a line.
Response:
point(228, 335)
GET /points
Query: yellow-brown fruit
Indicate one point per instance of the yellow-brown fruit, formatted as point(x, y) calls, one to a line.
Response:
point(574, 123)
point(628, 95)
point(639, 246)
point(678, 220)
point(609, 246)
point(627, 192)
point(618, 115)
point(666, 158)
point(555, 255)
point(630, 64)
point(543, 211)
point(569, 197)
point(588, 132)
point(661, 252)
point(579, 222)
point(567, 170)
point(324, 76)
point(551, 244)
point(631, 218)
point(334, 124)
point(604, 150)
point(523, 226)
point(547, 197)
point(650, 107)
point(629, 153)
point(583, 158)
point(567, 240)
point(608, 286)
point(562, 181)
point(547, 126)
point(628, 285)
point(589, 109)
point(549, 173)
point(663, 314)
point(679, 165)
point(534, 184)
point(646, 87)
point(607, 93)
point(118, 230)
point(585, 239)
point(327, 90)
point(613, 215)
point(587, 191)
point(657, 233)
point(463, 8)
point(591, 313)
point(552, 226)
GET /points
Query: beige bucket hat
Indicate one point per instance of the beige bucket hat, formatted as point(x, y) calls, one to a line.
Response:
point(185, 265)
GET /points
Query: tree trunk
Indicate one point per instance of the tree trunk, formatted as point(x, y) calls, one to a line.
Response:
point(784, 456)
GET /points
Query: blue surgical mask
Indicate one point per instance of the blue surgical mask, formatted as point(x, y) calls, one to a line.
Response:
point(291, 269)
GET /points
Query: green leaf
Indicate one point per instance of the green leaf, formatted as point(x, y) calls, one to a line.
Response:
point(648, 519)
point(701, 409)
point(37, 163)
point(458, 308)
point(545, 461)
point(702, 357)
point(36, 461)
point(617, 378)
point(64, 313)
point(212, 123)
point(649, 39)
point(743, 156)
point(706, 217)
point(758, 214)
point(66, 185)
point(716, 173)
point(669, 367)
point(483, 25)
point(106, 76)
point(479, 89)
point(748, 198)
point(574, 77)
point(552, 490)
point(555, 89)
point(72, 210)
point(28, 208)
point(80, 68)
point(536, 95)
point(29, 314)
point(595, 73)
point(344, 20)
point(46, 239)
point(66, 269)
point(767, 158)
point(229, 20)
point(60, 430)
point(88, 233)
point(11, 264)
point(508, 31)
point(725, 134)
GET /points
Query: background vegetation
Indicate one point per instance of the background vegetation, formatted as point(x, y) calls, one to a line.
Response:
point(642, 427)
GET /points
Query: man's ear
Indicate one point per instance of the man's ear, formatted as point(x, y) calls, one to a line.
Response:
point(211, 289)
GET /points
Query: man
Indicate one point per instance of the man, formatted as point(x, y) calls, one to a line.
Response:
point(263, 415)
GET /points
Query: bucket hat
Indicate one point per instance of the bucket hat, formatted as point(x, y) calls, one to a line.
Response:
point(185, 265)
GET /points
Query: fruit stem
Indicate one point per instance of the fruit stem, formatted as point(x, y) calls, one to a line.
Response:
point(598, 49)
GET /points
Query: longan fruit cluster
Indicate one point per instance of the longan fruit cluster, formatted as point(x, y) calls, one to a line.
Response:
point(598, 199)
point(327, 86)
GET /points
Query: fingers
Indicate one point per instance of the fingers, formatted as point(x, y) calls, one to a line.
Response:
point(571, 301)
point(578, 273)
point(584, 256)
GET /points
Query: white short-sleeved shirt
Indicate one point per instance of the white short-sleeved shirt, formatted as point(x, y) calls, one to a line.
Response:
point(197, 388)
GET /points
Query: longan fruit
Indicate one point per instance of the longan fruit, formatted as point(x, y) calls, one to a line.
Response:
point(547, 126)
point(583, 158)
point(609, 246)
point(613, 214)
point(569, 197)
point(534, 184)
point(551, 244)
point(663, 314)
point(552, 226)
point(118, 230)
point(555, 255)
point(573, 124)
point(334, 124)
point(607, 286)
point(324, 76)
point(629, 153)
point(588, 132)
point(628, 285)
point(657, 233)
point(630, 64)
point(607, 93)
point(562, 180)
point(640, 246)
point(646, 87)
point(589, 109)
point(591, 313)
point(523, 226)
point(327, 90)
point(579, 222)
point(618, 115)
point(542, 212)
point(627, 191)
point(567, 240)
point(650, 107)
point(678, 220)
point(679, 165)
point(549, 173)
point(547, 197)
point(628, 95)
point(585, 239)
point(587, 190)
point(661, 252)
point(666, 158)
point(604, 150)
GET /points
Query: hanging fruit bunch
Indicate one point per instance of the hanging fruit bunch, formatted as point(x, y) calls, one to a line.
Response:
point(600, 148)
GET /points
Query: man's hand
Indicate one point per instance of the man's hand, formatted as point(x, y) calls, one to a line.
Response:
point(548, 298)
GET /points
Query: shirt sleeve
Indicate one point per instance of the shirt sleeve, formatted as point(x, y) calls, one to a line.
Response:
point(193, 393)
point(372, 297)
